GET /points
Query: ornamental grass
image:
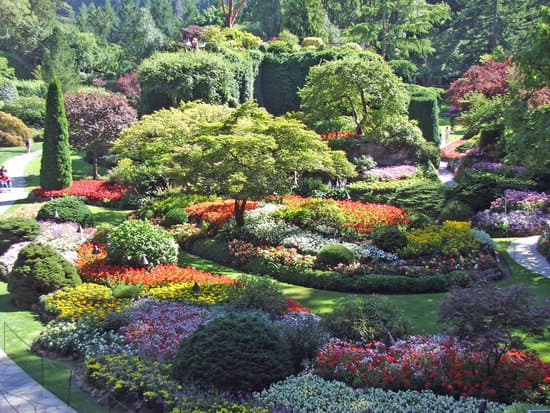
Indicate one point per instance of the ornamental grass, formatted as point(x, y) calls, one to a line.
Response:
point(93, 189)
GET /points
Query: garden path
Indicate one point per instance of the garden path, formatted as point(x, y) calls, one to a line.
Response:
point(524, 252)
point(16, 172)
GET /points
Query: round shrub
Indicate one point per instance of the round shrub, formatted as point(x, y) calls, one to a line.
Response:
point(175, 216)
point(133, 240)
point(371, 318)
point(257, 293)
point(455, 210)
point(389, 239)
point(14, 230)
point(38, 270)
point(69, 208)
point(235, 353)
point(333, 254)
point(8, 91)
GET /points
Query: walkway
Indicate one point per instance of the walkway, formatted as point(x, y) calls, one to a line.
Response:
point(16, 172)
point(524, 252)
point(445, 176)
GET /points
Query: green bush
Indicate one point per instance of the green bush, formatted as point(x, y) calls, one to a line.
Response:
point(175, 216)
point(389, 239)
point(380, 191)
point(38, 270)
point(14, 230)
point(320, 215)
point(68, 208)
point(213, 249)
point(126, 290)
point(135, 239)
point(455, 210)
point(426, 197)
point(419, 220)
point(13, 131)
point(8, 91)
point(30, 109)
point(333, 254)
point(258, 293)
point(101, 235)
point(425, 110)
point(370, 318)
point(235, 353)
point(27, 88)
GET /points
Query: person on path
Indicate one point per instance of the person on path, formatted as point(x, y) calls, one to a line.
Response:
point(28, 144)
point(447, 136)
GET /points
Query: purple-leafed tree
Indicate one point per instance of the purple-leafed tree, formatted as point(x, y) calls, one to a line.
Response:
point(129, 85)
point(95, 119)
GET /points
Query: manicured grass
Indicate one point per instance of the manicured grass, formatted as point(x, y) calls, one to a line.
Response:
point(111, 216)
point(53, 374)
point(12, 151)
point(81, 168)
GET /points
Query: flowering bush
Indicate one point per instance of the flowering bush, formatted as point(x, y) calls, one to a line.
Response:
point(208, 293)
point(437, 363)
point(96, 190)
point(526, 200)
point(293, 306)
point(309, 393)
point(87, 300)
point(216, 212)
point(156, 328)
point(496, 167)
point(453, 237)
point(334, 135)
point(80, 338)
point(514, 223)
point(392, 172)
point(243, 252)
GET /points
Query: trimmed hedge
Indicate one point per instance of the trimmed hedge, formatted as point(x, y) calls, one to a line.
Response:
point(69, 208)
point(426, 111)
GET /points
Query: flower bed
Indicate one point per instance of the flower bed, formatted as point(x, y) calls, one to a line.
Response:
point(216, 212)
point(392, 172)
point(437, 363)
point(517, 223)
point(525, 200)
point(93, 189)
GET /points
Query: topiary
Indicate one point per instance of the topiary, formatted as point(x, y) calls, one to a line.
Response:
point(370, 318)
point(259, 293)
point(13, 230)
point(235, 353)
point(455, 210)
point(333, 254)
point(38, 270)
point(175, 216)
point(133, 240)
point(69, 208)
point(389, 238)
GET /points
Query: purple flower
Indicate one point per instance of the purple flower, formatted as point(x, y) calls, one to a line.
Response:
point(514, 199)
point(392, 172)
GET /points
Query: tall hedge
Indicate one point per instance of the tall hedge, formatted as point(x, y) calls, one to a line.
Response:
point(168, 78)
point(425, 110)
point(281, 75)
point(55, 167)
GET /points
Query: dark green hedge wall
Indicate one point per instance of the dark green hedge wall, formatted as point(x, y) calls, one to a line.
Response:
point(425, 110)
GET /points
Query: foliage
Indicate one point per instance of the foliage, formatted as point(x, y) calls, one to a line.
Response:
point(168, 78)
point(488, 78)
point(436, 363)
point(38, 270)
point(365, 89)
point(84, 301)
point(55, 167)
point(237, 353)
point(333, 254)
point(8, 91)
point(31, 110)
point(68, 208)
point(423, 196)
point(389, 239)
point(455, 210)
point(368, 318)
point(175, 216)
point(92, 189)
point(27, 88)
point(128, 84)
point(133, 240)
point(95, 120)
point(309, 393)
point(305, 18)
point(13, 131)
point(258, 293)
point(320, 215)
point(489, 316)
point(14, 230)
point(425, 110)
point(543, 245)
point(216, 212)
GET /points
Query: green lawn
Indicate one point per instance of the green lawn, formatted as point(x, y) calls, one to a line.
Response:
point(53, 374)
point(111, 216)
point(12, 151)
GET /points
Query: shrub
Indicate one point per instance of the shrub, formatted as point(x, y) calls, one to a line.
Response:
point(334, 254)
point(8, 91)
point(30, 110)
point(13, 131)
point(456, 211)
point(235, 353)
point(425, 110)
point(419, 220)
point(370, 318)
point(39, 270)
point(68, 209)
point(389, 239)
point(101, 235)
point(426, 197)
point(313, 42)
point(134, 239)
point(175, 216)
point(259, 293)
point(322, 215)
point(31, 88)
point(14, 230)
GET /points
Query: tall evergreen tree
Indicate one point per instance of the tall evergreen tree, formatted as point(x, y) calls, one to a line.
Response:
point(163, 14)
point(55, 167)
point(60, 60)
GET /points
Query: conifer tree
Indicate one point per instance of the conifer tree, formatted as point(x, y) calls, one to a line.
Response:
point(55, 168)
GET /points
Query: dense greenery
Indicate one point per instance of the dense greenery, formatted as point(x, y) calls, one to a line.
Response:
point(13, 230)
point(67, 208)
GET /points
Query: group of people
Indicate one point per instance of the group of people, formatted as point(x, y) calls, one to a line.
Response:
point(5, 181)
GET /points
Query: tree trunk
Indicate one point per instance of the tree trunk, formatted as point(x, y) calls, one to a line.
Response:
point(240, 207)
point(94, 164)
point(493, 39)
